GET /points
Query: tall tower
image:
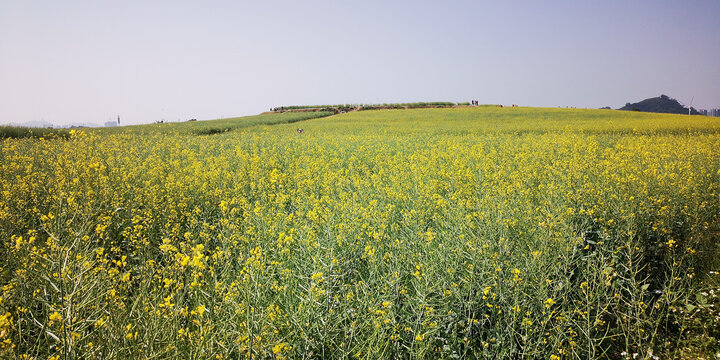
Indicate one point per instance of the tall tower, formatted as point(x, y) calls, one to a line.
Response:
point(118, 120)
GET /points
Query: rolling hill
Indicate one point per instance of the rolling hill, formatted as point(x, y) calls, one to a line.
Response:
point(660, 104)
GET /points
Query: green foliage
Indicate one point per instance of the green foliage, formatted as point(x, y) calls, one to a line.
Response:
point(16, 132)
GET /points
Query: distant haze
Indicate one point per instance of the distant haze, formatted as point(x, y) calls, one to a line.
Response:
point(68, 62)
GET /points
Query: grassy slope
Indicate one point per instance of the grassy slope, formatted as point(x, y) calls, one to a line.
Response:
point(209, 127)
point(205, 127)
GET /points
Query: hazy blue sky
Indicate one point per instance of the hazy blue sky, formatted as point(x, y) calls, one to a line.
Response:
point(88, 61)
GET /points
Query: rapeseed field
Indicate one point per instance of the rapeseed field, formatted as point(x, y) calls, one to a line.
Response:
point(429, 233)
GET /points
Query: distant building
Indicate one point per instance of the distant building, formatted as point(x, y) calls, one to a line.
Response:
point(714, 112)
point(111, 124)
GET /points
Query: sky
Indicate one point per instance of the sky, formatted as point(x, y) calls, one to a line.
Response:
point(69, 61)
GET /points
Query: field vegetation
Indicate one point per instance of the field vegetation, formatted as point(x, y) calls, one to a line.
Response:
point(359, 107)
point(427, 233)
point(16, 132)
point(211, 127)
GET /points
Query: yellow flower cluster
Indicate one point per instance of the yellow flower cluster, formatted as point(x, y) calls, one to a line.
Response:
point(433, 233)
